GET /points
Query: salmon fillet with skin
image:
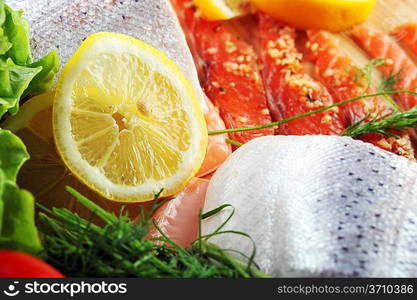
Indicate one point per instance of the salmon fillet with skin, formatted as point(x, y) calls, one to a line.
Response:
point(338, 72)
point(290, 90)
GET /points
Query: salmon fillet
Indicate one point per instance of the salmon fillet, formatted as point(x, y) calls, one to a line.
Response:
point(290, 90)
point(397, 62)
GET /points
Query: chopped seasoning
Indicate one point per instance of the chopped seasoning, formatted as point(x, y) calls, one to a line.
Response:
point(212, 50)
point(230, 47)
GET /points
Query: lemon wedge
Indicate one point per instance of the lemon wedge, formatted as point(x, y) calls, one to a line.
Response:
point(332, 15)
point(126, 121)
point(223, 9)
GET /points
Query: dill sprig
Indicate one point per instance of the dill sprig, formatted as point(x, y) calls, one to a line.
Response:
point(389, 83)
point(120, 248)
point(366, 73)
point(385, 125)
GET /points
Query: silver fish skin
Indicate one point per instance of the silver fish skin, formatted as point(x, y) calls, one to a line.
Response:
point(64, 24)
point(318, 206)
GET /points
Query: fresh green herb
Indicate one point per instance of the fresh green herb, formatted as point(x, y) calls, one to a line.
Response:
point(389, 83)
point(17, 227)
point(366, 73)
point(79, 248)
point(233, 142)
point(386, 125)
point(19, 75)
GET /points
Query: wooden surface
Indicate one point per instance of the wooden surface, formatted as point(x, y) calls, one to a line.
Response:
point(391, 13)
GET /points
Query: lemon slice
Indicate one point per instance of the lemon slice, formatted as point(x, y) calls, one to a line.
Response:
point(126, 120)
point(332, 15)
point(44, 174)
point(223, 9)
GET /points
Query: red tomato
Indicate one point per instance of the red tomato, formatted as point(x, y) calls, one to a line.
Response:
point(15, 264)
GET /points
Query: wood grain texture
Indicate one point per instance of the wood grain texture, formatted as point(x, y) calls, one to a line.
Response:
point(391, 13)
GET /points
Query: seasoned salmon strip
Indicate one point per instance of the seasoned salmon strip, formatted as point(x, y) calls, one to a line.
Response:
point(290, 90)
point(231, 78)
point(397, 62)
point(340, 75)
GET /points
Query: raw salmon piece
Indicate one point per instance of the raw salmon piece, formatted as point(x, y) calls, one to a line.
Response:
point(338, 72)
point(230, 72)
point(401, 146)
point(406, 35)
point(379, 45)
point(291, 91)
point(217, 148)
point(178, 218)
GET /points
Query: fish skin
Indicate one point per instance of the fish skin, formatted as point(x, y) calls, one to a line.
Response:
point(319, 206)
point(64, 24)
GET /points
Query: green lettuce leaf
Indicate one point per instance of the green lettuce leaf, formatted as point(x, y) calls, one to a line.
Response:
point(17, 211)
point(43, 81)
point(16, 29)
point(19, 75)
point(5, 45)
point(14, 81)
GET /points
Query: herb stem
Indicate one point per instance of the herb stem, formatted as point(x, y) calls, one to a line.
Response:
point(233, 142)
point(219, 255)
point(278, 123)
